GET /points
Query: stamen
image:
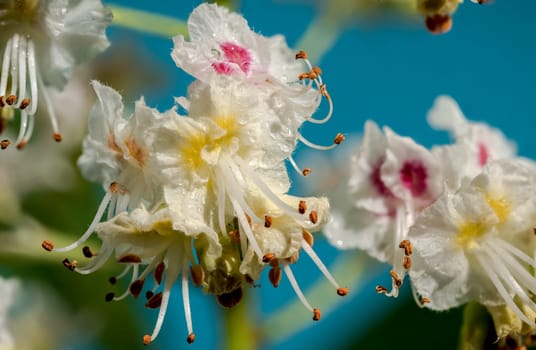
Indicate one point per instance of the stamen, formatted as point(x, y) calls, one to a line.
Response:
point(303, 172)
point(198, 274)
point(112, 280)
point(396, 280)
point(109, 297)
point(24, 103)
point(154, 302)
point(406, 262)
point(4, 144)
point(149, 294)
point(32, 72)
point(302, 207)
point(14, 67)
point(186, 301)
point(132, 280)
point(96, 263)
point(307, 248)
point(301, 55)
point(339, 138)
point(267, 221)
point(130, 259)
point(306, 171)
point(268, 257)
point(406, 245)
point(343, 291)
point(70, 265)
point(11, 99)
point(22, 70)
point(159, 272)
point(136, 287)
point(316, 314)
point(146, 339)
point(91, 228)
point(296, 288)
point(308, 237)
point(291, 259)
point(274, 275)
point(381, 290)
point(313, 216)
point(6, 61)
point(88, 253)
point(315, 146)
point(424, 300)
point(47, 245)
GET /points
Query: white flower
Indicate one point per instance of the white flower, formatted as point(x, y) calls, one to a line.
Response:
point(479, 139)
point(392, 179)
point(43, 41)
point(146, 243)
point(477, 244)
point(221, 43)
point(8, 290)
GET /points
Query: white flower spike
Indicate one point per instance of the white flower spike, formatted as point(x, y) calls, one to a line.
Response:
point(43, 41)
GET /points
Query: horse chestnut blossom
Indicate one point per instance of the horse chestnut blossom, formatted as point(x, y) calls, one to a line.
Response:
point(392, 179)
point(477, 244)
point(221, 43)
point(43, 41)
point(201, 191)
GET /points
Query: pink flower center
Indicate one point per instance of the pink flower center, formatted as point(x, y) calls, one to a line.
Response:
point(377, 182)
point(413, 177)
point(483, 154)
point(234, 55)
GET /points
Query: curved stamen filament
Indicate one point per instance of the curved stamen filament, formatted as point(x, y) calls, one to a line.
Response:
point(6, 61)
point(296, 287)
point(22, 59)
point(91, 228)
point(14, 64)
point(307, 248)
point(186, 299)
point(32, 71)
point(134, 277)
point(97, 262)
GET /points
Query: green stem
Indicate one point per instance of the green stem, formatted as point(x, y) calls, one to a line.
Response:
point(240, 333)
point(147, 22)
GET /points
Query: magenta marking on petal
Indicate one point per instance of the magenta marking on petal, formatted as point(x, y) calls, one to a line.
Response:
point(237, 55)
point(222, 68)
point(377, 182)
point(483, 154)
point(413, 177)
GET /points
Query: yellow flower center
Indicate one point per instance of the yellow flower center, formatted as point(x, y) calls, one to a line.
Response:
point(468, 233)
point(500, 206)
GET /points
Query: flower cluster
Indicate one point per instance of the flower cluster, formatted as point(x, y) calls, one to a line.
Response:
point(199, 192)
point(459, 218)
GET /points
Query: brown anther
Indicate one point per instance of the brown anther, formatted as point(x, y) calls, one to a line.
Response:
point(4, 144)
point(235, 236)
point(21, 144)
point(406, 262)
point(406, 245)
point(324, 90)
point(191, 338)
point(136, 287)
point(70, 265)
point(11, 99)
point(198, 274)
point(231, 299)
point(47, 245)
point(316, 70)
point(339, 138)
point(112, 280)
point(146, 339)
point(396, 279)
point(24, 103)
point(149, 294)
point(159, 272)
point(116, 187)
point(274, 275)
point(438, 24)
point(312, 75)
point(88, 253)
point(303, 76)
point(308, 237)
point(316, 314)
point(154, 301)
point(130, 259)
point(301, 55)
point(424, 300)
point(302, 207)
point(109, 297)
point(343, 291)
point(293, 258)
point(381, 290)
point(57, 137)
point(267, 221)
point(2, 102)
point(248, 219)
point(306, 171)
point(313, 216)
point(268, 257)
